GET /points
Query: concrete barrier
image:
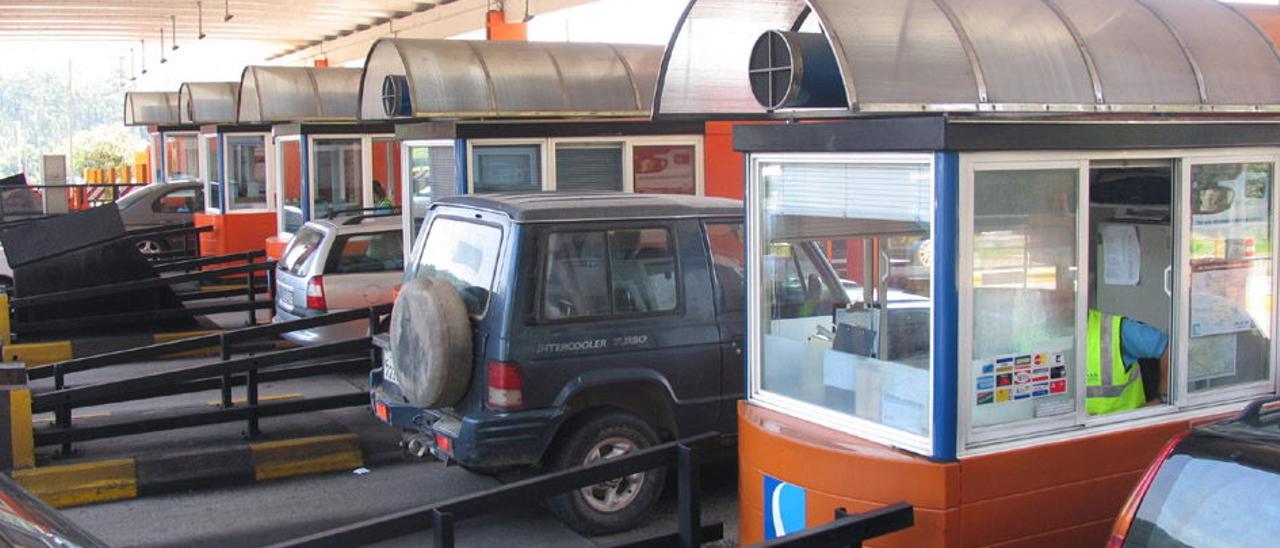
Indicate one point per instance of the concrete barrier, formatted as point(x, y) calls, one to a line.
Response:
point(86, 483)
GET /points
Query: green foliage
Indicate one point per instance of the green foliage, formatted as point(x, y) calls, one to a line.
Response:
point(105, 146)
point(33, 113)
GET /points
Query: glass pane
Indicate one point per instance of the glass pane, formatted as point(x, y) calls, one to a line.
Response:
point(374, 252)
point(247, 172)
point(303, 246)
point(181, 157)
point(291, 185)
point(589, 167)
point(212, 177)
point(1231, 256)
point(464, 254)
point(337, 177)
point(1024, 294)
point(642, 271)
point(386, 174)
point(665, 169)
point(178, 201)
point(576, 280)
point(728, 259)
point(432, 172)
point(855, 340)
point(507, 168)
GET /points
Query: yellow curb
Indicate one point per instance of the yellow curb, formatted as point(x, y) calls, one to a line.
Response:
point(34, 354)
point(21, 435)
point(43, 420)
point(302, 456)
point(77, 484)
point(212, 350)
point(292, 396)
point(224, 287)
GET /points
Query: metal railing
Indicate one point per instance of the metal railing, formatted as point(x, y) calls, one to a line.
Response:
point(683, 455)
point(849, 530)
point(223, 375)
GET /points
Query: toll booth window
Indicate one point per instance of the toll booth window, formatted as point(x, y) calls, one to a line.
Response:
point(665, 169)
point(211, 174)
point(853, 338)
point(1231, 275)
point(589, 166)
point(246, 180)
point(386, 174)
point(431, 170)
point(290, 185)
point(507, 168)
point(338, 176)
point(181, 157)
point(1024, 295)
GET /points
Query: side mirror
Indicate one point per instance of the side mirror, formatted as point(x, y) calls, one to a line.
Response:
point(1212, 199)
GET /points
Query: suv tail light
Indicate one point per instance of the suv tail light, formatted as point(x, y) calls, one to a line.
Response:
point(506, 386)
point(315, 294)
point(1125, 520)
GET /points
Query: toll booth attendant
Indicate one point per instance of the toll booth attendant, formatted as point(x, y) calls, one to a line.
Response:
point(380, 198)
point(1114, 378)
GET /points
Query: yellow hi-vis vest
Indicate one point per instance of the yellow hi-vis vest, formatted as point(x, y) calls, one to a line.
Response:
point(1108, 386)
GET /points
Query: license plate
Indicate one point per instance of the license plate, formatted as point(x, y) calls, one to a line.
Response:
point(284, 296)
point(389, 368)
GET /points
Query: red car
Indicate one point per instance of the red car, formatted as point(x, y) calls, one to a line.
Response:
point(1214, 485)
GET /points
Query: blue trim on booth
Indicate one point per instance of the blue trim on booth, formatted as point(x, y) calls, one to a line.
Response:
point(946, 230)
point(304, 167)
point(460, 165)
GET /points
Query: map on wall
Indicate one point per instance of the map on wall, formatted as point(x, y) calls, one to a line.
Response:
point(1220, 298)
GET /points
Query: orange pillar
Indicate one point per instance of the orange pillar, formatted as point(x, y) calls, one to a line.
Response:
point(497, 28)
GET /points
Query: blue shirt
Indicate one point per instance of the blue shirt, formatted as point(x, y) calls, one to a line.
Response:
point(1140, 341)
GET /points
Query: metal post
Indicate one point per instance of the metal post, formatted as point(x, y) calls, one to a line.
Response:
point(373, 329)
point(226, 377)
point(253, 312)
point(841, 513)
point(271, 289)
point(442, 528)
point(62, 418)
point(251, 400)
point(688, 503)
point(59, 378)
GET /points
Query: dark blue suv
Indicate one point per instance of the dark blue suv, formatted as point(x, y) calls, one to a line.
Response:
point(553, 330)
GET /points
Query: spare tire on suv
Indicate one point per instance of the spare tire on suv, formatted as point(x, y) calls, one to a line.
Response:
point(431, 341)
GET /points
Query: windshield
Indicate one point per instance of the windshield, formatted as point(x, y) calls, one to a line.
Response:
point(300, 250)
point(464, 254)
point(133, 198)
point(1211, 493)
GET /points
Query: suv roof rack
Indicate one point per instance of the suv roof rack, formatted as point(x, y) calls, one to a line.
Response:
point(359, 215)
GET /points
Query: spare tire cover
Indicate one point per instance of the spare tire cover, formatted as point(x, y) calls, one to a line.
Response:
point(431, 341)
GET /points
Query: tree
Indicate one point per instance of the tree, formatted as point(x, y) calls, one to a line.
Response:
point(105, 146)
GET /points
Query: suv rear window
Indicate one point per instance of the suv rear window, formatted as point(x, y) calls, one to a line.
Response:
point(304, 245)
point(373, 252)
point(463, 253)
point(1212, 492)
point(609, 273)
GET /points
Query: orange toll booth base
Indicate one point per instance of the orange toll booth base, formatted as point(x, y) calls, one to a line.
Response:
point(1064, 493)
point(234, 232)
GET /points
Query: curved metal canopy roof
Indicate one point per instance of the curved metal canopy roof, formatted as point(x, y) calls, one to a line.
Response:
point(208, 102)
point(480, 79)
point(298, 94)
point(986, 55)
point(150, 108)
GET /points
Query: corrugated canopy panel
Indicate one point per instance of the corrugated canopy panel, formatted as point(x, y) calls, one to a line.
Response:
point(298, 94)
point(985, 55)
point(460, 79)
point(150, 108)
point(208, 102)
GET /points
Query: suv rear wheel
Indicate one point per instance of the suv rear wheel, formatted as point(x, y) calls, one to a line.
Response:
point(615, 505)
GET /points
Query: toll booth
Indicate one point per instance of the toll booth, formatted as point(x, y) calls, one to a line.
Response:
point(174, 146)
point(234, 162)
point(929, 256)
point(480, 116)
point(324, 160)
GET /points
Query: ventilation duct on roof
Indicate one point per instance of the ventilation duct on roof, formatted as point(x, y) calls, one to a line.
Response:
point(795, 70)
